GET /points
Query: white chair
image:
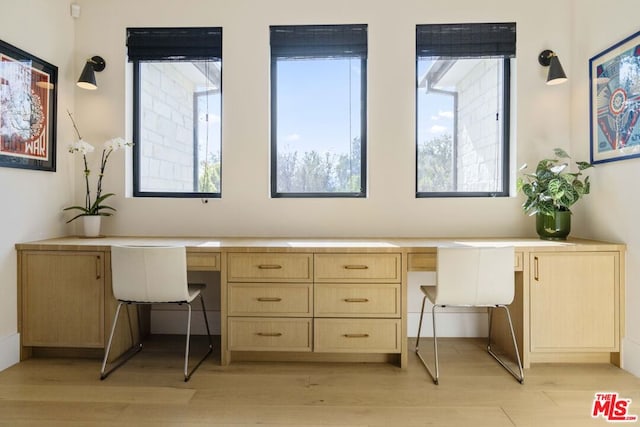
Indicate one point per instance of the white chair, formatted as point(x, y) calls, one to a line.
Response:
point(151, 275)
point(472, 277)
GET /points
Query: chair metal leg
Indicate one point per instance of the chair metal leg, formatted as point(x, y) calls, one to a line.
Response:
point(135, 349)
point(206, 322)
point(520, 375)
point(187, 374)
point(424, 299)
point(435, 346)
point(435, 343)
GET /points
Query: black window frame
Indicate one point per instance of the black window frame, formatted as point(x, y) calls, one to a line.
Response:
point(470, 40)
point(170, 44)
point(304, 45)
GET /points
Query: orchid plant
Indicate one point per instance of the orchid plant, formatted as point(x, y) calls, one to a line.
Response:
point(95, 206)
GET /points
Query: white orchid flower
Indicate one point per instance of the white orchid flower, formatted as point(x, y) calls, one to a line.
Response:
point(115, 144)
point(81, 146)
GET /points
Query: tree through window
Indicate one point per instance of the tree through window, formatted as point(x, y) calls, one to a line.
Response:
point(462, 108)
point(318, 95)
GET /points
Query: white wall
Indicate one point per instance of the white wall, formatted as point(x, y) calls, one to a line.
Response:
point(32, 201)
point(612, 210)
point(391, 208)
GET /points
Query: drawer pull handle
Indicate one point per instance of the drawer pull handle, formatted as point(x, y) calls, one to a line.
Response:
point(536, 277)
point(269, 266)
point(356, 335)
point(356, 300)
point(269, 334)
point(98, 269)
point(269, 299)
point(356, 267)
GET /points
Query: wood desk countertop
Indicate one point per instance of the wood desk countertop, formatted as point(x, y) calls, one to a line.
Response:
point(283, 244)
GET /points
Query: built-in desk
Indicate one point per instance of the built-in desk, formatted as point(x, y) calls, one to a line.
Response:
point(328, 299)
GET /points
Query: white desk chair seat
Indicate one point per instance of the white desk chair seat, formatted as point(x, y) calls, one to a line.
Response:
point(151, 275)
point(472, 277)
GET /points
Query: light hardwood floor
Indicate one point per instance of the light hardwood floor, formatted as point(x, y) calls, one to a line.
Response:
point(149, 391)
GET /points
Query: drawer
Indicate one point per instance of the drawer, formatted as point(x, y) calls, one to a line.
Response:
point(427, 262)
point(357, 335)
point(422, 262)
point(357, 300)
point(363, 267)
point(202, 261)
point(270, 299)
point(269, 267)
point(268, 334)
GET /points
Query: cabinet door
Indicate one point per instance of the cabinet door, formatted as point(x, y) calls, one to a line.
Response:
point(63, 299)
point(574, 301)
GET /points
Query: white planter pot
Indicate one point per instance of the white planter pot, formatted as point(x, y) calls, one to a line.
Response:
point(91, 225)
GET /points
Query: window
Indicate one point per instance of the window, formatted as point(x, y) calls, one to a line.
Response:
point(177, 111)
point(462, 108)
point(318, 110)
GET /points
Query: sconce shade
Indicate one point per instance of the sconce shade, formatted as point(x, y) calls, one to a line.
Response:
point(87, 78)
point(556, 75)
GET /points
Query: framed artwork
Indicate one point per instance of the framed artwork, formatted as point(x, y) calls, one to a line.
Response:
point(28, 99)
point(614, 99)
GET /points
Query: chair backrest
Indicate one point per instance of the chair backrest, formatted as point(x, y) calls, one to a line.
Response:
point(475, 276)
point(149, 273)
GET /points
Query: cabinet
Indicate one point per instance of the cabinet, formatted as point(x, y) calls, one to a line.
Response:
point(63, 299)
point(575, 302)
point(269, 301)
point(66, 302)
point(319, 303)
point(330, 300)
point(358, 302)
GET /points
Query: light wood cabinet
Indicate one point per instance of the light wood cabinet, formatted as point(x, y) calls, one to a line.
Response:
point(314, 302)
point(575, 302)
point(66, 302)
point(358, 303)
point(63, 299)
point(335, 300)
point(269, 301)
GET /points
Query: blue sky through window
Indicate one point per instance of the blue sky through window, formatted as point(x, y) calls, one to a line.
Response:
point(318, 104)
point(435, 111)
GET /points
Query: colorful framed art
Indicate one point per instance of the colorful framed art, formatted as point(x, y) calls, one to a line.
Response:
point(28, 99)
point(614, 95)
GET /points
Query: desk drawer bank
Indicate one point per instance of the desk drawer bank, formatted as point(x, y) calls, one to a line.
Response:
point(328, 299)
point(321, 305)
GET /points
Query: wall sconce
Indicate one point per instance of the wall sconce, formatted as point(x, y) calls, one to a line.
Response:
point(87, 78)
point(548, 58)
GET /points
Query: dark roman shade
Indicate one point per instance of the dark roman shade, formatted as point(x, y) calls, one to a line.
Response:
point(157, 44)
point(321, 41)
point(470, 40)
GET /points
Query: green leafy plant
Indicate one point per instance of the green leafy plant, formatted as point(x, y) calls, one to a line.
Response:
point(552, 187)
point(95, 206)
